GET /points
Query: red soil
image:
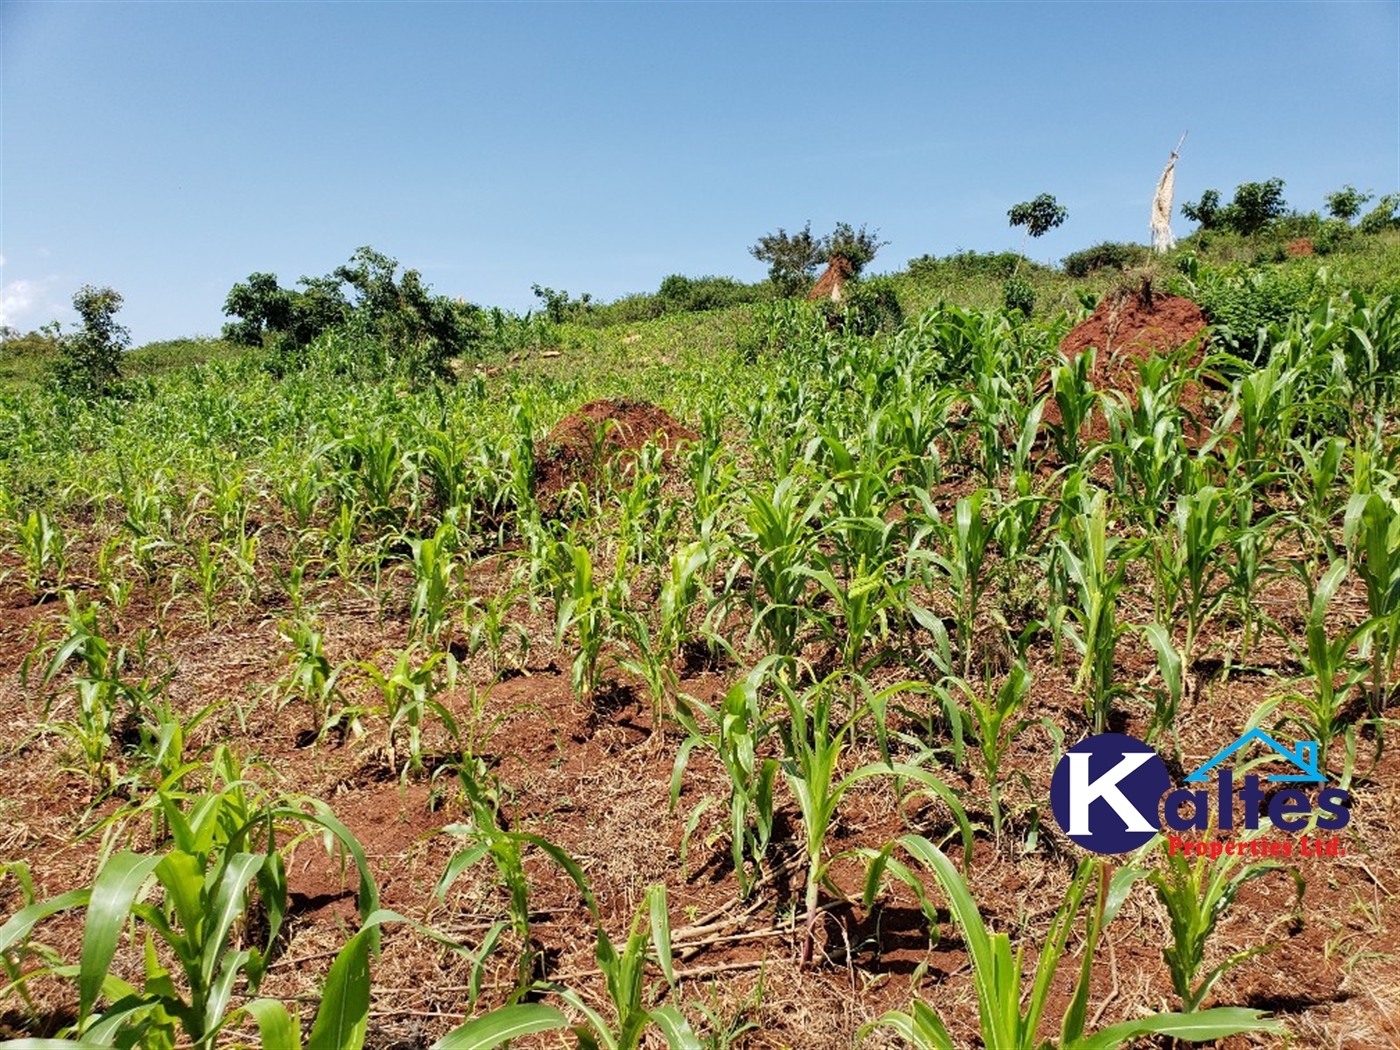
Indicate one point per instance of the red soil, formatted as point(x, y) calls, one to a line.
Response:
point(1126, 329)
point(600, 432)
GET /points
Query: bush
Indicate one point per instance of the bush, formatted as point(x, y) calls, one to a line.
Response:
point(411, 328)
point(1108, 255)
point(1382, 216)
point(873, 306)
point(995, 265)
point(1345, 204)
point(1240, 302)
point(89, 360)
point(679, 294)
point(1017, 294)
point(1257, 205)
point(793, 258)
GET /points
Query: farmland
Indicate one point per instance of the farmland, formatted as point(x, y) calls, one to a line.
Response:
point(722, 712)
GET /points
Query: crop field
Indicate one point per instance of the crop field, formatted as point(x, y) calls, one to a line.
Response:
point(700, 681)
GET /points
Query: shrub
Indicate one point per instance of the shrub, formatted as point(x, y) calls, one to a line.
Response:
point(1240, 302)
point(679, 294)
point(267, 313)
point(1345, 204)
point(1257, 205)
point(1382, 216)
point(1108, 255)
point(410, 327)
point(89, 360)
point(995, 265)
point(793, 258)
point(873, 306)
point(1205, 212)
point(1017, 294)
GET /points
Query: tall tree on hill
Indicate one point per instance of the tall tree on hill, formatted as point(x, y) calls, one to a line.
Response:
point(793, 258)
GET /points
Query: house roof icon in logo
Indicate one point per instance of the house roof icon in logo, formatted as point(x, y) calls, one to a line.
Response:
point(1304, 757)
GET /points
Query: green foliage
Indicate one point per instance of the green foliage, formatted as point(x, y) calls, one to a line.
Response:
point(856, 247)
point(1345, 203)
point(679, 294)
point(224, 846)
point(1097, 583)
point(1010, 1015)
point(793, 258)
point(813, 745)
point(558, 307)
point(961, 265)
point(393, 320)
point(1108, 255)
point(1241, 301)
point(735, 731)
point(89, 362)
point(265, 310)
point(1017, 294)
point(1197, 892)
point(1038, 216)
point(1256, 206)
point(872, 306)
point(1206, 212)
point(1382, 216)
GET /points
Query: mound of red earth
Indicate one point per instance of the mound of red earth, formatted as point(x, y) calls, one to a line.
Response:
point(1126, 328)
point(601, 432)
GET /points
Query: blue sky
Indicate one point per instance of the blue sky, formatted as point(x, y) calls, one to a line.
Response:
point(170, 149)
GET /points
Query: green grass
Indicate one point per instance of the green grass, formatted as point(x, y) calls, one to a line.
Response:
point(25, 360)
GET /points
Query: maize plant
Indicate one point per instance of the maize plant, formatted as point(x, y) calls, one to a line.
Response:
point(776, 548)
point(1097, 582)
point(1009, 1014)
point(1372, 533)
point(812, 747)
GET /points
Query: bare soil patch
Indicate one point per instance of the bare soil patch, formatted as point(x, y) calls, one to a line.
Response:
point(599, 433)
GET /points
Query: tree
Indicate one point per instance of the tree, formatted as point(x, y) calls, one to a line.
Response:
point(403, 319)
point(792, 258)
point(1256, 206)
point(1346, 203)
point(857, 247)
point(424, 329)
point(1038, 216)
point(1382, 216)
point(1206, 212)
point(89, 360)
point(263, 308)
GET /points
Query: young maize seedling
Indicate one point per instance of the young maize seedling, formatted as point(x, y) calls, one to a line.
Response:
point(811, 767)
point(407, 694)
point(1327, 659)
point(44, 549)
point(1075, 396)
point(1197, 892)
point(505, 850)
point(1009, 1014)
point(435, 570)
point(1372, 533)
point(776, 547)
point(736, 731)
point(1096, 583)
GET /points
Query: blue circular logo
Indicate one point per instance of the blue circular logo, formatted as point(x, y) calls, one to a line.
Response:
point(1107, 792)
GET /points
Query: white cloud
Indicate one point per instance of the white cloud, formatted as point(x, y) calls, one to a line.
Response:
point(2, 260)
point(23, 302)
